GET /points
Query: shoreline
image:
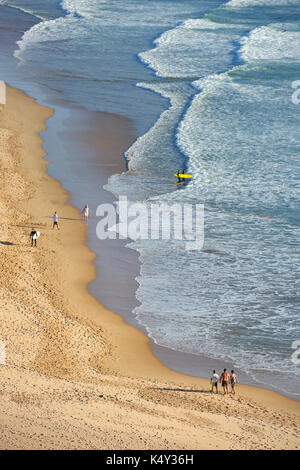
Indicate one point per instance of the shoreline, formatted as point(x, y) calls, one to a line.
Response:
point(93, 134)
point(78, 358)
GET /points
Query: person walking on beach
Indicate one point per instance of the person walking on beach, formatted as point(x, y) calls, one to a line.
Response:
point(214, 382)
point(55, 220)
point(233, 381)
point(33, 236)
point(225, 381)
point(85, 213)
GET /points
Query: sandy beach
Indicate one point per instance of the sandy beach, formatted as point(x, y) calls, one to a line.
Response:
point(77, 376)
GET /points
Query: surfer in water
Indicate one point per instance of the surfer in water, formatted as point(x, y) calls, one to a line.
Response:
point(180, 180)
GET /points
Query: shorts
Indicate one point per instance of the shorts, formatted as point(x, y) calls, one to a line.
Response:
point(224, 383)
point(215, 384)
point(55, 223)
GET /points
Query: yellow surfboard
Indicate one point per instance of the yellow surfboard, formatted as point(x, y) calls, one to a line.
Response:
point(183, 175)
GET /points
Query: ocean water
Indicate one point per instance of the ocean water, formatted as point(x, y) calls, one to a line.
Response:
point(208, 85)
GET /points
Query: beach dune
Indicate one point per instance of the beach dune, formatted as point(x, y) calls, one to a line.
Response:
point(76, 376)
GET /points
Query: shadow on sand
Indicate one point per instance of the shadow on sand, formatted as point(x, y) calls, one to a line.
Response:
point(60, 218)
point(30, 226)
point(181, 390)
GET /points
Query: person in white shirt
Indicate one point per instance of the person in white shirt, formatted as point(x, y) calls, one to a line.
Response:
point(214, 382)
point(55, 220)
point(85, 213)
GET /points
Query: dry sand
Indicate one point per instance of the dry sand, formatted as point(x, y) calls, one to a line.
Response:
point(76, 375)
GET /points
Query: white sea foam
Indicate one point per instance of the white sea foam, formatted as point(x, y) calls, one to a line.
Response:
point(257, 3)
point(221, 141)
point(83, 7)
point(37, 34)
point(146, 156)
point(87, 17)
point(275, 42)
point(111, 12)
point(200, 46)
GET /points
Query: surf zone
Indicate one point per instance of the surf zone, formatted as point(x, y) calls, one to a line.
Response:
point(152, 221)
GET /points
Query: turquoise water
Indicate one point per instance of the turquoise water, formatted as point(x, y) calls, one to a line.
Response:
point(208, 85)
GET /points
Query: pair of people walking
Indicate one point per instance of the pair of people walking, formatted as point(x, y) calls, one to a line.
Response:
point(34, 234)
point(180, 180)
point(225, 380)
point(85, 215)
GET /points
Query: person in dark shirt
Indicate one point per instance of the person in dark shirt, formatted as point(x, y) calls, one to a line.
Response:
point(33, 237)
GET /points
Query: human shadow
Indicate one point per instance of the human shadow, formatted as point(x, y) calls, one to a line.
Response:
point(181, 390)
point(7, 243)
point(60, 218)
point(30, 226)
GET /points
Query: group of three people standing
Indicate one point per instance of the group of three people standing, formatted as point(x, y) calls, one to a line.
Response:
point(225, 380)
